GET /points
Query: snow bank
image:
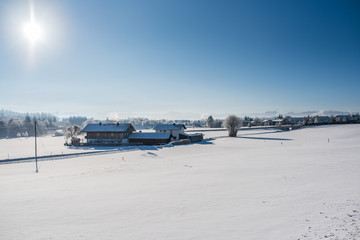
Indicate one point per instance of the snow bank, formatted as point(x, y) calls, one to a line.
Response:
point(264, 184)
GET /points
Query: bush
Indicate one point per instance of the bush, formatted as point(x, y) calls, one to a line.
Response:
point(232, 123)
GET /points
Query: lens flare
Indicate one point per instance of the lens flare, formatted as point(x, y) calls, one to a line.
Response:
point(32, 31)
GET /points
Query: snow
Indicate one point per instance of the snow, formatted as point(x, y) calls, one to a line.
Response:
point(25, 147)
point(264, 184)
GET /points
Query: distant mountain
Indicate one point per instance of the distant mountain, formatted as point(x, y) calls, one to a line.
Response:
point(329, 113)
point(316, 113)
point(267, 114)
point(270, 114)
point(300, 114)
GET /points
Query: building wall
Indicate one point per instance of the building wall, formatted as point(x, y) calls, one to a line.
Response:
point(196, 137)
point(175, 133)
point(105, 137)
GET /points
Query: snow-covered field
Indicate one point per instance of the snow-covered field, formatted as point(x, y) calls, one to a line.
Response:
point(265, 184)
point(24, 147)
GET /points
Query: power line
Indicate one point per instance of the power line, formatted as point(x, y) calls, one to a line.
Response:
point(36, 149)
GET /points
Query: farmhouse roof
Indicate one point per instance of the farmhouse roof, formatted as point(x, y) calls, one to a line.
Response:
point(108, 127)
point(149, 135)
point(169, 127)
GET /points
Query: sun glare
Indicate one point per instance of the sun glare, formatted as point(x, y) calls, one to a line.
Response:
point(32, 31)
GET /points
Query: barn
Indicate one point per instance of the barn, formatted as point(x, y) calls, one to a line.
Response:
point(108, 134)
point(149, 138)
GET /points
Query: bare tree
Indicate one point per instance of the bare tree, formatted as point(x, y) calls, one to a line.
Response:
point(232, 123)
point(72, 132)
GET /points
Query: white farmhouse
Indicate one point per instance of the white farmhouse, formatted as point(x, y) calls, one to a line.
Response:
point(174, 129)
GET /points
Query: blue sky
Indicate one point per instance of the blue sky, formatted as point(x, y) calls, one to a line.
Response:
point(181, 59)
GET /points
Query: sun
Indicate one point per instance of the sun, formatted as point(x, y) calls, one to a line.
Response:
point(33, 31)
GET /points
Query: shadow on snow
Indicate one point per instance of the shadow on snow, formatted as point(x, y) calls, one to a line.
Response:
point(261, 138)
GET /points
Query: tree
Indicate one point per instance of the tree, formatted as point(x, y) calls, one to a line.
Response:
point(14, 127)
point(29, 126)
point(217, 123)
point(72, 132)
point(332, 119)
point(286, 120)
point(209, 121)
point(232, 123)
point(257, 121)
point(77, 120)
point(3, 129)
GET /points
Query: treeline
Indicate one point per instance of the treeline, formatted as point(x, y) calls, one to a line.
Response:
point(214, 123)
point(145, 122)
point(288, 120)
point(77, 120)
point(24, 127)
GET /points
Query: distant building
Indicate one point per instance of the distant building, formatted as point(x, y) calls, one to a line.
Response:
point(112, 134)
point(267, 122)
point(173, 129)
point(278, 122)
point(321, 119)
point(246, 123)
point(297, 121)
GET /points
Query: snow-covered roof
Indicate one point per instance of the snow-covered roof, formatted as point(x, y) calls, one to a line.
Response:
point(169, 127)
point(108, 127)
point(149, 135)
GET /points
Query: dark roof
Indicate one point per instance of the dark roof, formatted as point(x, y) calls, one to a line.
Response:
point(169, 127)
point(149, 135)
point(323, 117)
point(296, 119)
point(108, 127)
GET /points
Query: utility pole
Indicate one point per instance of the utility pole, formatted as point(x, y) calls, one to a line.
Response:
point(36, 150)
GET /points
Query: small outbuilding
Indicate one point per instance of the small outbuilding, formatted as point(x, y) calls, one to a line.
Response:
point(174, 129)
point(149, 138)
point(195, 137)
